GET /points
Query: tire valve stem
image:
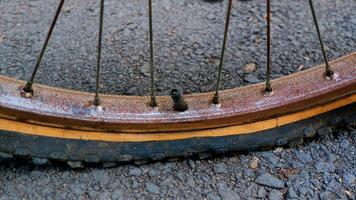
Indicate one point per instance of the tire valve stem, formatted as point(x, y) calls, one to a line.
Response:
point(179, 104)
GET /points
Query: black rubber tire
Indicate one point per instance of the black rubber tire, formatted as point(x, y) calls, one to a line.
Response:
point(42, 150)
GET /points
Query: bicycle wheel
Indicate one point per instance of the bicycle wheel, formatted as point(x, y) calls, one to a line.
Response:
point(45, 123)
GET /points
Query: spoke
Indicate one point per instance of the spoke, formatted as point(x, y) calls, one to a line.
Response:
point(227, 22)
point(28, 87)
point(153, 102)
point(98, 64)
point(268, 87)
point(328, 71)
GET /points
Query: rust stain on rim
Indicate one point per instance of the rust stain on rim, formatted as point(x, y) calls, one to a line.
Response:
point(71, 109)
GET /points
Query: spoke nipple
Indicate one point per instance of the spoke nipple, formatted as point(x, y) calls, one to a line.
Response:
point(268, 91)
point(329, 74)
point(27, 91)
point(178, 100)
point(153, 102)
point(215, 99)
point(97, 102)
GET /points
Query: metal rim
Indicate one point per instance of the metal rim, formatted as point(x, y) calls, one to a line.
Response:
point(243, 129)
point(75, 110)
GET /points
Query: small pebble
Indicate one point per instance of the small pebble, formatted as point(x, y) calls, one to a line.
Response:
point(254, 162)
point(249, 68)
point(152, 188)
point(269, 181)
point(220, 168)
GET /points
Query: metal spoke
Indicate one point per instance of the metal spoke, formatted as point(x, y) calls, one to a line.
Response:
point(328, 71)
point(268, 87)
point(227, 22)
point(153, 102)
point(98, 64)
point(28, 88)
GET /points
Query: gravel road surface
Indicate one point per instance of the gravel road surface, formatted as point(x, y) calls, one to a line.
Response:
point(188, 36)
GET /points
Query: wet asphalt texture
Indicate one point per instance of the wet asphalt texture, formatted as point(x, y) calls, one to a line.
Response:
point(187, 38)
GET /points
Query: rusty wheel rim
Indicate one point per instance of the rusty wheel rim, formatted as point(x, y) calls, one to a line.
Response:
point(43, 105)
point(74, 110)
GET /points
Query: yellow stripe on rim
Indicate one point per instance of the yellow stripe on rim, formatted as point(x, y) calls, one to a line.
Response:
point(38, 130)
